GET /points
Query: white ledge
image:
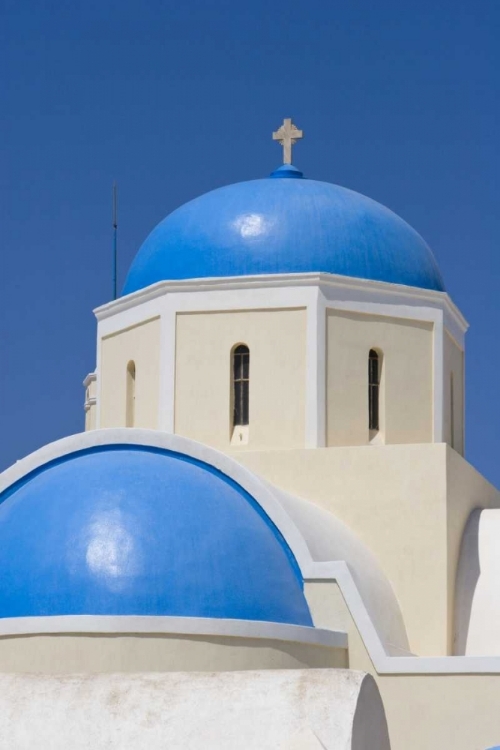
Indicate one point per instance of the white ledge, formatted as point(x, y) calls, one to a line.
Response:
point(384, 663)
point(186, 626)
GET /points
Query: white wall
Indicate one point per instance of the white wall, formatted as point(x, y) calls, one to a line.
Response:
point(478, 587)
point(394, 313)
point(434, 709)
point(408, 504)
point(302, 709)
point(277, 343)
point(140, 344)
point(406, 379)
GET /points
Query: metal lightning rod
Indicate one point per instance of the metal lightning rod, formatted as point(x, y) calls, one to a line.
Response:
point(115, 236)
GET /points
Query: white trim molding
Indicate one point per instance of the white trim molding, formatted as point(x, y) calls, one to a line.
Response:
point(90, 378)
point(342, 287)
point(339, 572)
point(187, 626)
point(334, 287)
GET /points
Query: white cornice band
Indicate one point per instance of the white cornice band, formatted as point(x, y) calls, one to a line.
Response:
point(396, 294)
point(184, 626)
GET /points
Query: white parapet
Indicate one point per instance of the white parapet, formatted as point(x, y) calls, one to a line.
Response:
point(323, 709)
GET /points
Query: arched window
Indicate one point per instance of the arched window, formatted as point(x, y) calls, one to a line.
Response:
point(373, 390)
point(241, 385)
point(130, 389)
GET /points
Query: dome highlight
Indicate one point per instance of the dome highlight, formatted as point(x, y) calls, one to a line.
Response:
point(279, 225)
point(133, 530)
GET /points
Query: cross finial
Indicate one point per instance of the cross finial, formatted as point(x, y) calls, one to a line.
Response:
point(288, 134)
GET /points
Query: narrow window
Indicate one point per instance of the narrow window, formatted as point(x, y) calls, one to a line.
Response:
point(241, 384)
point(130, 406)
point(373, 390)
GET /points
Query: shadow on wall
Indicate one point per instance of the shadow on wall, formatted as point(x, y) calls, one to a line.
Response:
point(477, 607)
point(289, 709)
point(468, 572)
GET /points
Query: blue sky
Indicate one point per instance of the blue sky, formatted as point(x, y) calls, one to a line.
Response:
point(400, 101)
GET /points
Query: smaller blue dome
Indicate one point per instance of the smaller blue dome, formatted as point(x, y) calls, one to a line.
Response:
point(281, 225)
point(132, 530)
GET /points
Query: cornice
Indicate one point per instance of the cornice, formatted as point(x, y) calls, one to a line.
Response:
point(91, 378)
point(397, 293)
point(165, 625)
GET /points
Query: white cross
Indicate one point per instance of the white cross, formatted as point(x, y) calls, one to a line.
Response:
point(288, 134)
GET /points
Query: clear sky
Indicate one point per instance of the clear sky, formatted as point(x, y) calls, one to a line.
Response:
point(398, 100)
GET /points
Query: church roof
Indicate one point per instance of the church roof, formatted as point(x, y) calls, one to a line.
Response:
point(136, 530)
point(284, 224)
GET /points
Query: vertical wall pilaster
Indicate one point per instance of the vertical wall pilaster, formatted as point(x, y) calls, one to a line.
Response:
point(316, 371)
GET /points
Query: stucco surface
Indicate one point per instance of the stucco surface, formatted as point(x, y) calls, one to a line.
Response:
point(393, 498)
point(329, 539)
point(141, 345)
point(467, 490)
point(453, 372)
point(277, 343)
point(406, 392)
point(224, 711)
point(408, 505)
point(441, 711)
point(329, 610)
point(424, 711)
point(122, 652)
point(478, 586)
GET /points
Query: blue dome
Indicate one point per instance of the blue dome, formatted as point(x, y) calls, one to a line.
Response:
point(132, 530)
point(287, 225)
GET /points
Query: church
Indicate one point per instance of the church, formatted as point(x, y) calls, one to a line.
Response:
point(267, 537)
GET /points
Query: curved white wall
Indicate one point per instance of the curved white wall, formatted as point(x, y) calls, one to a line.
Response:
point(328, 539)
point(327, 709)
point(477, 604)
